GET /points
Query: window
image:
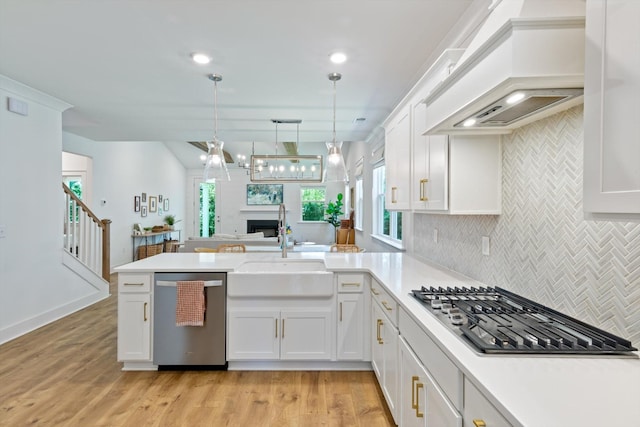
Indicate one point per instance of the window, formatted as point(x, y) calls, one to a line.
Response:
point(386, 225)
point(207, 214)
point(313, 203)
point(359, 203)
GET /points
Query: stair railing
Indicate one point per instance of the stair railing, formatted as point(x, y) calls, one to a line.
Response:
point(85, 235)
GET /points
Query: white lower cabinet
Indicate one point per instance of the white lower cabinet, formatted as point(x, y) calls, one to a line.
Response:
point(478, 411)
point(134, 317)
point(352, 317)
point(421, 401)
point(134, 327)
point(384, 355)
point(272, 334)
point(351, 327)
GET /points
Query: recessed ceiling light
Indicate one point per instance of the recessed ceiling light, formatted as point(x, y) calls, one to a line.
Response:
point(338, 57)
point(201, 58)
point(469, 122)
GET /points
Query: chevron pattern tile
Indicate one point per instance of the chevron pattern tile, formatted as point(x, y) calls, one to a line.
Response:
point(541, 246)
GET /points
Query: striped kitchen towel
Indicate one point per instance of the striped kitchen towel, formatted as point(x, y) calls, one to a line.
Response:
point(190, 303)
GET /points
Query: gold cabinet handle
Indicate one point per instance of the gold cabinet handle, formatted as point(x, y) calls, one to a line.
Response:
point(341, 312)
point(423, 192)
point(276, 328)
point(350, 284)
point(417, 408)
point(283, 328)
point(144, 311)
point(379, 338)
point(414, 403)
point(373, 291)
point(393, 194)
point(479, 423)
point(384, 304)
point(133, 284)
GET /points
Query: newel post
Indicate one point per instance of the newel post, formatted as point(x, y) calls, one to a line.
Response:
point(106, 249)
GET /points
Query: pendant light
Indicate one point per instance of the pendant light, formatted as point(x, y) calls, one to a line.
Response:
point(215, 167)
point(335, 169)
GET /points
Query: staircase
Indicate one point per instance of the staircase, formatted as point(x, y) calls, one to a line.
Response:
point(86, 240)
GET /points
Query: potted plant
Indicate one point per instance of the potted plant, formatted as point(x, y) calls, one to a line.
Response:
point(334, 212)
point(171, 220)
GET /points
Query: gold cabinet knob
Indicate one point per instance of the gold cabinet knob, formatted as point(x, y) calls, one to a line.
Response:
point(479, 423)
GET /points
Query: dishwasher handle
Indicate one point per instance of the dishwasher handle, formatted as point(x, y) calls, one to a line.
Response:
point(207, 283)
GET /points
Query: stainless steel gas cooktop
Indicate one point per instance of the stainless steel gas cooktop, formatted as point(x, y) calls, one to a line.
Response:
point(496, 321)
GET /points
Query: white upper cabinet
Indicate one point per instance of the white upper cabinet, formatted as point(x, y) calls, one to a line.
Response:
point(397, 153)
point(430, 186)
point(612, 107)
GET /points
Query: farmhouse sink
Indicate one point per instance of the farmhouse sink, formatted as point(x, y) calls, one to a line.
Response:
point(281, 265)
point(280, 277)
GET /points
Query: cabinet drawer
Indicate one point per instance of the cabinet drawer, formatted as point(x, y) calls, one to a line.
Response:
point(442, 369)
point(477, 407)
point(389, 305)
point(350, 282)
point(134, 282)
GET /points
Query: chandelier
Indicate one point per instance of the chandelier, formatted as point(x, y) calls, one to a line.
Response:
point(286, 168)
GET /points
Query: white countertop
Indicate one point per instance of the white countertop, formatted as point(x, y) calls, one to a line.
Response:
point(545, 391)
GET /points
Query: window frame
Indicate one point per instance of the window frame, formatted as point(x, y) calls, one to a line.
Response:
point(378, 211)
point(302, 202)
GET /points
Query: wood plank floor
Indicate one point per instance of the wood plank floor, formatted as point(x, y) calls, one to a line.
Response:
point(66, 374)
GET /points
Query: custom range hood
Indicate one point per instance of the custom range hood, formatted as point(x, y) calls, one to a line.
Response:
point(526, 62)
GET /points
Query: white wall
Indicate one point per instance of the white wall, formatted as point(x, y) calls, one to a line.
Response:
point(123, 170)
point(35, 287)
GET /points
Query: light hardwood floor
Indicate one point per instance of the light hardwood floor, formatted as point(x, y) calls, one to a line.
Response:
point(66, 374)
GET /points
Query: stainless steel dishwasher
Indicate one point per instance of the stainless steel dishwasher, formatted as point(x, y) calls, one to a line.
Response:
point(189, 347)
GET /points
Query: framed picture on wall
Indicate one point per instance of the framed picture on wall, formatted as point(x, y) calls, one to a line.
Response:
point(264, 194)
point(160, 198)
point(144, 197)
point(153, 204)
point(143, 211)
point(165, 204)
point(136, 203)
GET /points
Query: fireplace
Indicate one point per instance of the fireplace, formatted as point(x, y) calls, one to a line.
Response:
point(268, 226)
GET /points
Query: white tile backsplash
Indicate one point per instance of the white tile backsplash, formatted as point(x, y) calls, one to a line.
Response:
point(541, 246)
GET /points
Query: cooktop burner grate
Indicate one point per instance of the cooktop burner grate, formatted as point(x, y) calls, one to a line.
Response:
point(496, 321)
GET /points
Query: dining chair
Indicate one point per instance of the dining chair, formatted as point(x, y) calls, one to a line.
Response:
point(345, 248)
point(231, 247)
point(204, 250)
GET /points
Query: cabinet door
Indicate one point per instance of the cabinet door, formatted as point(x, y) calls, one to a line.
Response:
point(134, 326)
point(397, 155)
point(306, 334)
point(351, 324)
point(430, 155)
point(611, 106)
point(377, 319)
point(253, 334)
point(421, 402)
point(478, 408)
point(384, 356)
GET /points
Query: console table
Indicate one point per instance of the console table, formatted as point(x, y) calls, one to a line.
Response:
point(138, 237)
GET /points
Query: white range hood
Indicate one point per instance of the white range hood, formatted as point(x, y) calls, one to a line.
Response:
point(527, 49)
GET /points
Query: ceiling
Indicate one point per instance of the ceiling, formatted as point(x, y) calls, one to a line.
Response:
point(126, 66)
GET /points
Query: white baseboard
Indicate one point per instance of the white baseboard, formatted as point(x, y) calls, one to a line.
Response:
point(16, 330)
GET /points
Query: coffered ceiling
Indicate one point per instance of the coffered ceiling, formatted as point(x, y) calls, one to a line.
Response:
point(126, 66)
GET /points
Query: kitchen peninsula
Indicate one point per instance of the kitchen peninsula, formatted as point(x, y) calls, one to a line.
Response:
point(520, 390)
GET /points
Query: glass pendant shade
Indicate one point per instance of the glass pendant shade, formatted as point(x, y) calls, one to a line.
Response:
point(215, 167)
point(335, 169)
